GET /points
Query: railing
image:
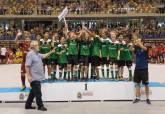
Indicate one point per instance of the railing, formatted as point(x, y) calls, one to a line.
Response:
point(77, 11)
point(153, 36)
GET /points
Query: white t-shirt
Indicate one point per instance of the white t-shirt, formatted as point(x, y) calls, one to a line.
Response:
point(3, 51)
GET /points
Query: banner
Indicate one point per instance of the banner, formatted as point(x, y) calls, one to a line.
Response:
point(63, 14)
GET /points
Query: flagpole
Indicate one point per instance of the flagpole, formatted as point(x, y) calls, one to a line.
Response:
point(64, 21)
point(65, 24)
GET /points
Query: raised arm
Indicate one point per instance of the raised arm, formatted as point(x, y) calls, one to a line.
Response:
point(17, 36)
point(89, 32)
point(66, 31)
point(140, 44)
point(80, 34)
point(47, 54)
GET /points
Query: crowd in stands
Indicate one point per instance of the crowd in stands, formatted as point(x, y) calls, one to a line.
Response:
point(147, 31)
point(156, 53)
point(7, 34)
point(52, 7)
point(10, 55)
point(153, 31)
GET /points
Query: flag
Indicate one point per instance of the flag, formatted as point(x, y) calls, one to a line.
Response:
point(63, 14)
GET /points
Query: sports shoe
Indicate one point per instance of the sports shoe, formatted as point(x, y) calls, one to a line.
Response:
point(148, 101)
point(136, 100)
point(42, 108)
point(120, 78)
point(23, 88)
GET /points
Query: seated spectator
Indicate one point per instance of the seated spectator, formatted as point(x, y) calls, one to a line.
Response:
point(18, 56)
point(3, 54)
point(10, 56)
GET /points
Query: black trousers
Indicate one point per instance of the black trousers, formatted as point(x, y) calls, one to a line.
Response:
point(35, 92)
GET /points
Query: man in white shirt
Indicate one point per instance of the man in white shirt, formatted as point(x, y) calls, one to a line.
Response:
point(3, 54)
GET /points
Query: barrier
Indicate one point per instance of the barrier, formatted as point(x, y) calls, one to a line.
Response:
point(81, 91)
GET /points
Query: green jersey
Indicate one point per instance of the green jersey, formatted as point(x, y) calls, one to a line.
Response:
point(62, 57)
point(113, 50)
point(95, 47)
point(54, 55)
point(84, 48)
point(72, 47)
point(104, 47)
point(45, 46)
point(127, 53)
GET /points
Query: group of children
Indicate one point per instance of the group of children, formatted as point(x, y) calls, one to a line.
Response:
point(76, 51)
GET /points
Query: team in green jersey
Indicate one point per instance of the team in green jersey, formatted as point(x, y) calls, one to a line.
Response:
point(76, 51)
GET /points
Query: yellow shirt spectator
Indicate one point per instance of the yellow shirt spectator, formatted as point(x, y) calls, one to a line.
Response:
point(19, 54)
